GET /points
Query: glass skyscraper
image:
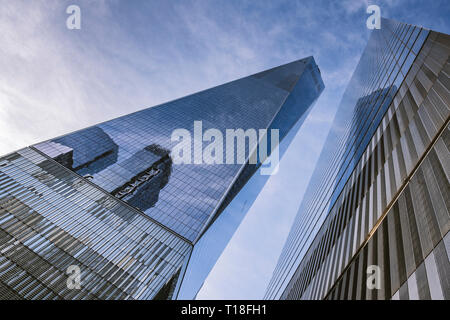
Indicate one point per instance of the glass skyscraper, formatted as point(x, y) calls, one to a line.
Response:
point(374, 221)
point(111, 201)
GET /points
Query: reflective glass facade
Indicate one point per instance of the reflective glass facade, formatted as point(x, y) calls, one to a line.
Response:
point(380, 192)
point(51, 219)
point(193, 192)
point(110, 200)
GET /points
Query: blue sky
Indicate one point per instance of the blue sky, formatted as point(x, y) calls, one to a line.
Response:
point(134, 54)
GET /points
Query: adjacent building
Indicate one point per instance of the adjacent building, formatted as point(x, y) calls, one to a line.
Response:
point(374, 221)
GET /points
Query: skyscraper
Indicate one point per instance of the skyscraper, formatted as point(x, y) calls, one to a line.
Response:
point(106, 210)
point(374, 221)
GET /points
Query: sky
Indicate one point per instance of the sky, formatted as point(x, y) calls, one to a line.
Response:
point(130, 55)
